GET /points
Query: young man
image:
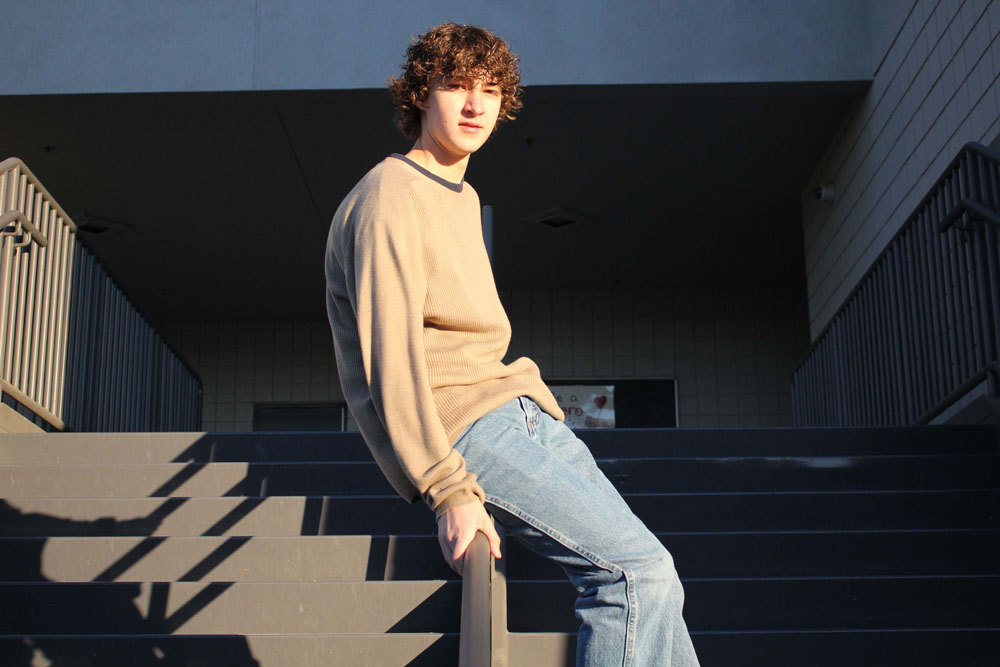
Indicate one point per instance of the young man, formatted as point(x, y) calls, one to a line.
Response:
point(420, 336)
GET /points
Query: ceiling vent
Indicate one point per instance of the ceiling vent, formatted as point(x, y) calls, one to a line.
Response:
point(96, 227)
point(557, 217)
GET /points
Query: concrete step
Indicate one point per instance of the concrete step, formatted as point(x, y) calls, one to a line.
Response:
point(806, 554)
point(605, 443)
point(729, 474)
point(829, 648)
point(662, 512)
point(208, 559)
point(744, 605)
point(297, 608)
point(914, 648)
point(388, 650)
point(735, 605)
point(397, 558)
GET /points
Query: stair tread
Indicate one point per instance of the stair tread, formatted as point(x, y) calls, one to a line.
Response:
point(376, 558)
point(264, 545)
point(846, 602)
point(230, 608)
point(603, 442)
point(694, 474)
point(306, 515)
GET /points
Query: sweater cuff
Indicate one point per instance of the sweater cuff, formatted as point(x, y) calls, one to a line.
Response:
point(459, 497)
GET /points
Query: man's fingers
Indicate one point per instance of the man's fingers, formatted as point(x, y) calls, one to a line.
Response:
point(494, 538)
point(458, 526)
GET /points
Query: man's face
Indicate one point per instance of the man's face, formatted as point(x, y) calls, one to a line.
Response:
point(458, 116)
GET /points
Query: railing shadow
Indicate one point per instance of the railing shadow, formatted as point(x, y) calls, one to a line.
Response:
point(117, 603)
point(141, 610)
point(73, 609)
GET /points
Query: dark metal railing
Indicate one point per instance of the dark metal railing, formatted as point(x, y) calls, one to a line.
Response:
point(121, 375)
point(474, 644)
point(922, 328)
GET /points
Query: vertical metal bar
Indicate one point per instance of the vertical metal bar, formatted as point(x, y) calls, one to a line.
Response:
point(6, 286)
point(865, 353)
point(938, 298)
point(93, 340)
point(39, 306)
point(133, 370)
point(17, 374)
point(963, 342)
point(42, 368)
point(857, 387)
point(148, 394)
point(883, 337)
point(913, 319)
point(900, 374)
point(31, 303)
point(13, 286)
point(906, 319)
point(943, 349)
point(117, 383)
point(953, 369)
point(991, 257)
point(970, 350)
point(125, 399)
point(832, 378)
point(107, 355)
point(63, 302)
point(993, 262)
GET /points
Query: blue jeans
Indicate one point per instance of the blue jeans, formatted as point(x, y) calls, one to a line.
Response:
point(543, 487)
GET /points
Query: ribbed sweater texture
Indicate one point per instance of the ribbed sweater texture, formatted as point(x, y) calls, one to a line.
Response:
point(419, 331)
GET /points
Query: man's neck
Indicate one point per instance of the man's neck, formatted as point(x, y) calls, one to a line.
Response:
point(450, 170)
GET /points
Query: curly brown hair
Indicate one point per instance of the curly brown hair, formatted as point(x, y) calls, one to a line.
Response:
point(460, 51)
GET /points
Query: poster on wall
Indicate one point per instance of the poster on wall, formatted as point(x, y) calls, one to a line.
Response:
point(587, 405)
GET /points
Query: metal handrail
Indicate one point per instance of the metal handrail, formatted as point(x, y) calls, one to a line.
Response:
point(474, 644)
point(922, 326)
point(13, 163)
point(74, 349)
point(36, 259)
point(22, 223)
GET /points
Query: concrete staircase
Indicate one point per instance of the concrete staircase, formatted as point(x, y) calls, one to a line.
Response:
point(797, 547)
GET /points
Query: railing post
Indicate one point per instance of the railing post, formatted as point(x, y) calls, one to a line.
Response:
point(474, 647)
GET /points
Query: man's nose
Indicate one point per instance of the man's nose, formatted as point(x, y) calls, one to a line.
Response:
point(474, 102)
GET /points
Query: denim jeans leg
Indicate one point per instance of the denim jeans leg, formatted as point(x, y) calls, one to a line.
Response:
point(542, 485)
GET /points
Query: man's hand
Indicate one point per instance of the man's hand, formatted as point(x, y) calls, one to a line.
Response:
point(458, 526)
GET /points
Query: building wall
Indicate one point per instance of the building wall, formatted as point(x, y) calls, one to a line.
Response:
point(103, 46)
point(935, 88)
point(731, 350)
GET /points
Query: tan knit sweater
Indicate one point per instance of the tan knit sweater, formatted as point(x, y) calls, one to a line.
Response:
point(418, 328)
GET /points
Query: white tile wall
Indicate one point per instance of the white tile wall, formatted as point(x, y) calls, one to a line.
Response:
point(732, 351)
point(935, 89)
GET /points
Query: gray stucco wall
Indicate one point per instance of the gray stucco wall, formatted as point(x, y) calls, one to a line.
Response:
point(935, 89)
point(93, 46)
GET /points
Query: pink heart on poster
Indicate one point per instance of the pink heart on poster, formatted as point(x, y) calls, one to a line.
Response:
point(600, 401)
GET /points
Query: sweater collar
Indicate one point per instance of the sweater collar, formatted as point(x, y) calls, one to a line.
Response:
point(454, 187)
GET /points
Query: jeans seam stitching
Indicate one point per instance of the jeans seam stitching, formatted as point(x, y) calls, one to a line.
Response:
point(554, 534)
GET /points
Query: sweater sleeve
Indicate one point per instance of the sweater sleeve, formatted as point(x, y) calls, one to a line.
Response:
point(390, 287)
